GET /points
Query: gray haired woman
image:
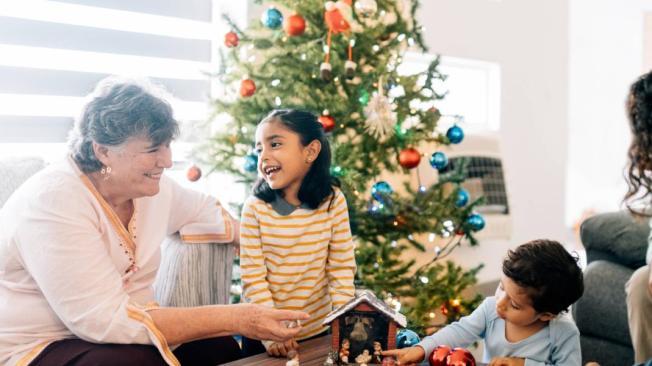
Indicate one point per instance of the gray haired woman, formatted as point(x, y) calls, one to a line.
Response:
point(80, 248)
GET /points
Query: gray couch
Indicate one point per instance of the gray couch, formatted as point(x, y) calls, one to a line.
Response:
point(615, 246)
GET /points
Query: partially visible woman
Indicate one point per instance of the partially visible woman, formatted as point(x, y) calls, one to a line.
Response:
point(80, 248)
point(639, 181)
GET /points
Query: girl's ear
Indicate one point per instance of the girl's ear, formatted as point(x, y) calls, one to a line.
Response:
point(101, 153)
point(311, 151)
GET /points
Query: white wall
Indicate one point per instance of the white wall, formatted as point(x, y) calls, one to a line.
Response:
point(529, 39)
point(606, 56)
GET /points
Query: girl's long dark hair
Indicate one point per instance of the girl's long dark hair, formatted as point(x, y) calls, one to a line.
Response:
point(639, 165)
point(318, 183)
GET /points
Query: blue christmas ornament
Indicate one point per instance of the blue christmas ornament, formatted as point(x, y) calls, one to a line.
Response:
point(406, 338)
point(251, 163)
point(455, 134)
point(272, 18)
point(439, 160)
point(380, 190)
point(476, 222)
point(462, 198)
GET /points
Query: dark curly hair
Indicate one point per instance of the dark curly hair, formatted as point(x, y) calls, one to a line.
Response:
point(318, 184)
point(548, 273)
point(639, 165)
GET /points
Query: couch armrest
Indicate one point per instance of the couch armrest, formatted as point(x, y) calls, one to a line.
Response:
point(616, 237)
point(194, 274)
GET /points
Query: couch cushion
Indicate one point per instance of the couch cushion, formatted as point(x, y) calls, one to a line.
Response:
point(14, 171)
point(602, 312)
point(616, 237)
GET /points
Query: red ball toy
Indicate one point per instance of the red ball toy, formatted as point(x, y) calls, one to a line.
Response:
point(444, 356)
point(231, 39)
point(439, 357)
point(294, 25)
point(247, 88)
point(409, 158)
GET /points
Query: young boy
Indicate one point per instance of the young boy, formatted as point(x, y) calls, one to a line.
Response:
point(520, 325)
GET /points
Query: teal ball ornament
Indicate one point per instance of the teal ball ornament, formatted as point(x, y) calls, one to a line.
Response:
point(439, 160)
point(406, 338)
point(272, 18)
point(476, 222)
point(380, 190)
point(455, 134)
point(251, 163)
point(462, 198)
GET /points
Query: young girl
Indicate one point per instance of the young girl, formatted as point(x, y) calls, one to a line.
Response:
point(295, 239)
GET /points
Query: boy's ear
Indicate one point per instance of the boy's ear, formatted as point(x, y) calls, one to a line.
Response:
point(312, 150)
point(544, 317)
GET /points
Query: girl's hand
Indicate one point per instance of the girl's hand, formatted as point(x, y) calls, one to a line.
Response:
point(507, 361)
point(407, 356)
point(281, 349)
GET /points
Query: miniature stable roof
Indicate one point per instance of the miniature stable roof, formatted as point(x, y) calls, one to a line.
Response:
point(371, 299)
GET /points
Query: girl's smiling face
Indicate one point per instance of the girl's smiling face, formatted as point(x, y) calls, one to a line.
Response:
point(283, 160)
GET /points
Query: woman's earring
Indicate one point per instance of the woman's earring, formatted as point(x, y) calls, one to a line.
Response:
point(106, 172)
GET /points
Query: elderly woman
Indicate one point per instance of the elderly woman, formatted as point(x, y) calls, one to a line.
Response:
point(79, 250)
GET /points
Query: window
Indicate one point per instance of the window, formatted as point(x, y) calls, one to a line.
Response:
point(54, 52)
point(472, 87)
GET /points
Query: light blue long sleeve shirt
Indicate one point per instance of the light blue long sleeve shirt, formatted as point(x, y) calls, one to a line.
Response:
point(556, 344)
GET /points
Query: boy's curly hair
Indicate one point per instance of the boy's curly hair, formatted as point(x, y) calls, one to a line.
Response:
point(547, 272)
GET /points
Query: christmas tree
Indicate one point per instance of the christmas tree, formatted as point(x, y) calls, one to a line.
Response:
point(340, 60)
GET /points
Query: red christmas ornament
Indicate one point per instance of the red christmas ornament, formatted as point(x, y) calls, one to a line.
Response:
point(338, 16)
point(194, 173)
point(409, 158)
point(231, 39)
point(444, 356)
point(247, 88)
point(444, 309)
point(294, 25)
point(439, 357)
point(327, 121)
point(461, 357)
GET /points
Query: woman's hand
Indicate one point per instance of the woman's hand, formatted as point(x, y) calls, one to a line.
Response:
point(281, 349)
point(407, 356)
point(261, 322)
point(507, 361)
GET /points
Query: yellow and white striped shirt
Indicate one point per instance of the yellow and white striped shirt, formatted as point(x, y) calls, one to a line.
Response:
point(302, 261)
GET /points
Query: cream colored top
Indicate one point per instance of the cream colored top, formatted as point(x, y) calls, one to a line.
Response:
point(69, 268)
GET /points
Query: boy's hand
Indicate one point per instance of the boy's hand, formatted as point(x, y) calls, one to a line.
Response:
point(407, 356)
point(281, 349)
point(507, 361)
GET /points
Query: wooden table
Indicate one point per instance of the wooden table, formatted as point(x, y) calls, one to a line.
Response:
point(311, 353)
